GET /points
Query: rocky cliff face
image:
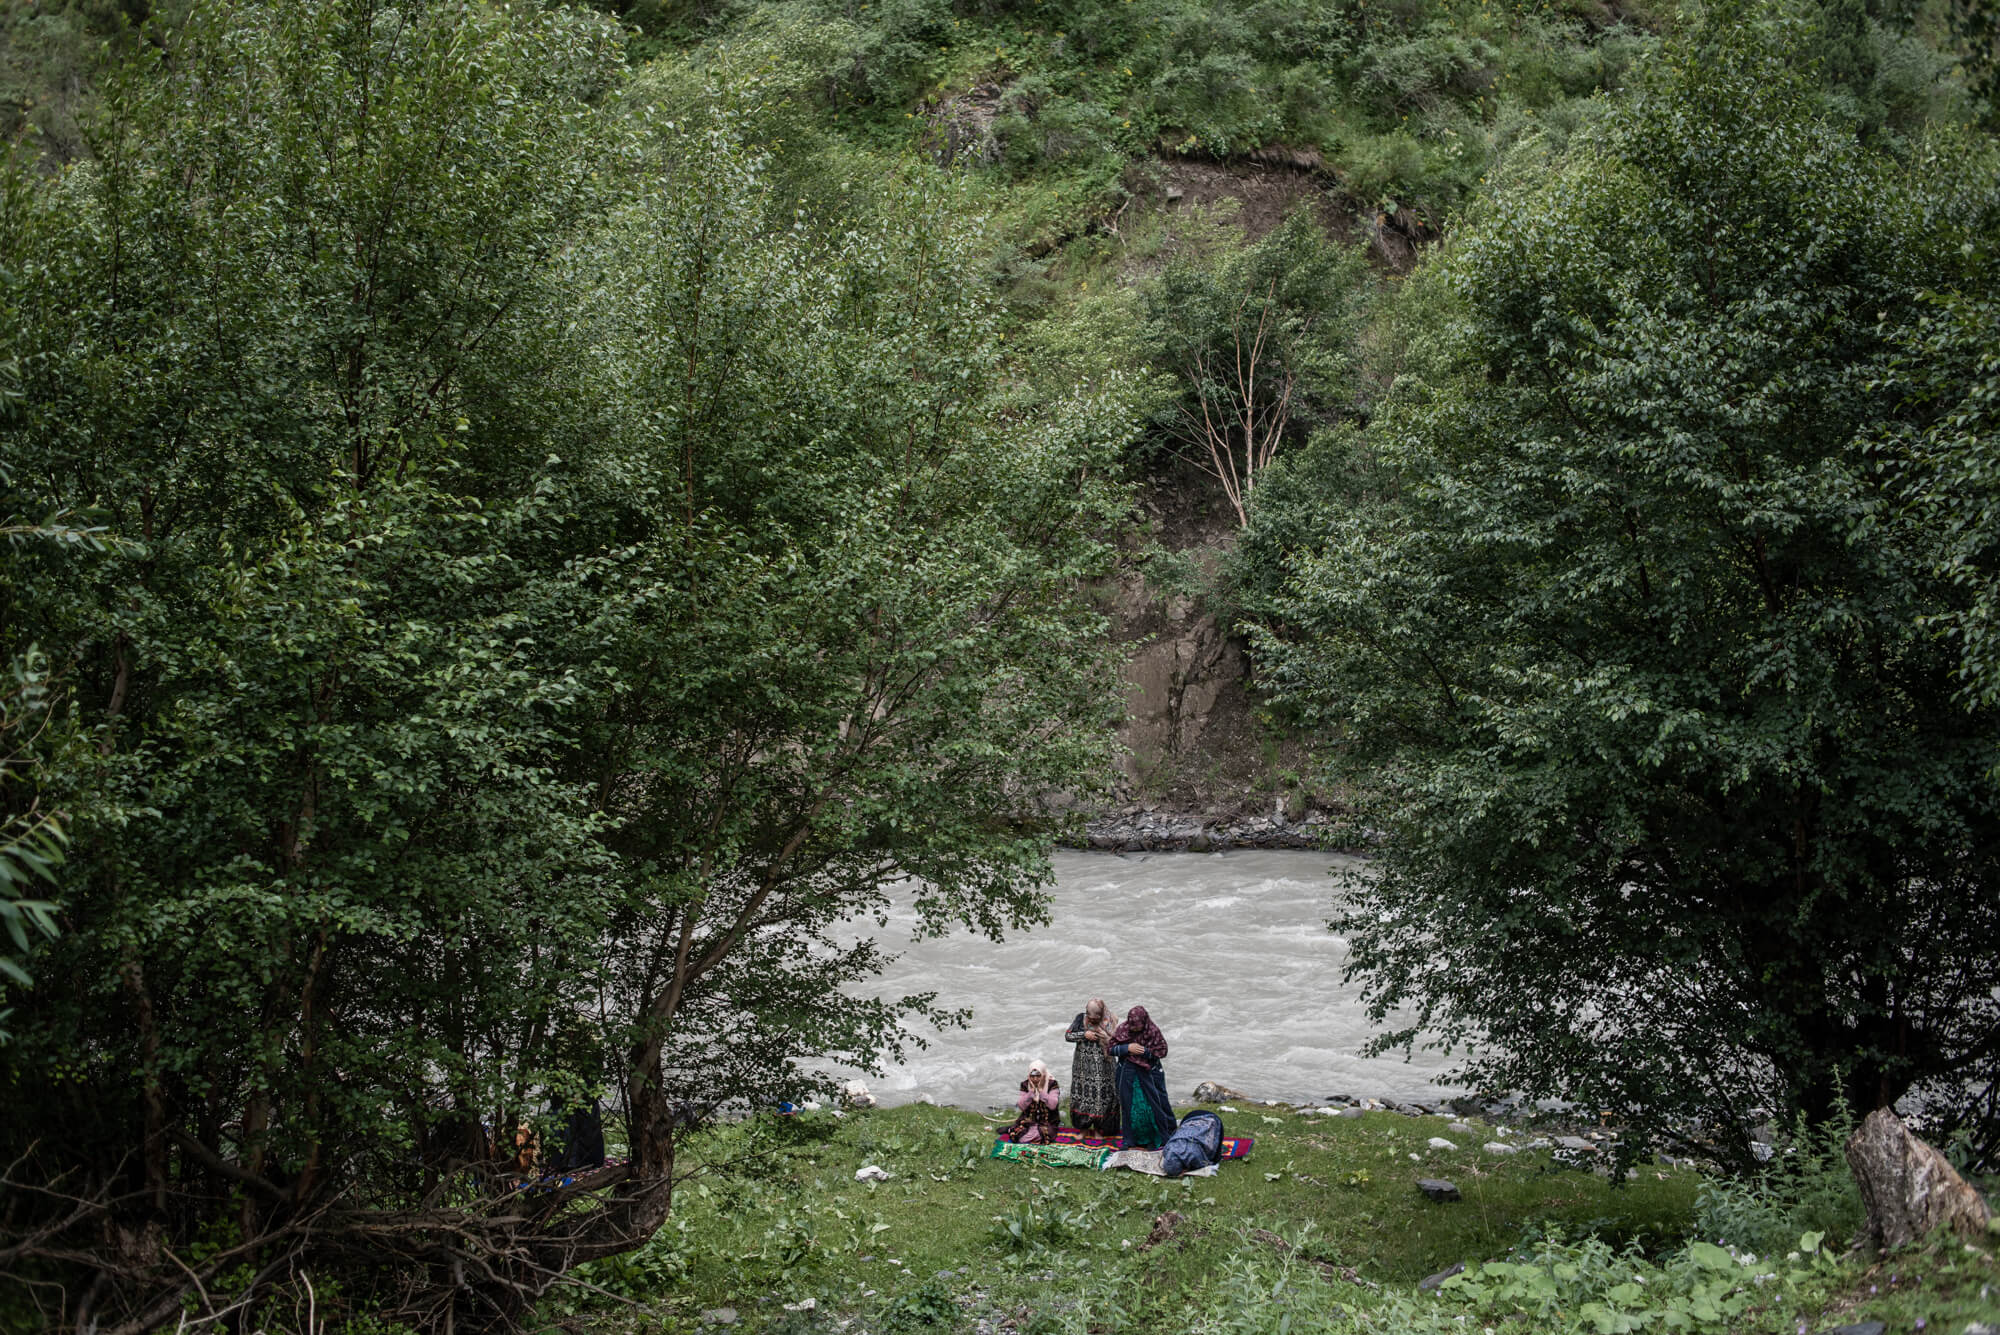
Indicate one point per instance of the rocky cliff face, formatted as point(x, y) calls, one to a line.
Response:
point(1201, 767)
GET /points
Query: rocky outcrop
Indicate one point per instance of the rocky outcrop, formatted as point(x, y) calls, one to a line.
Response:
point(1909, 1187)
point(1169, 832)
point(1202, 767)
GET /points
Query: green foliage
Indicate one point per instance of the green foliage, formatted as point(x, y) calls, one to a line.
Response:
point(51, 54)
point(1406, 105)
point(1950, 371)
point(1588, 1286)
point(549, 605)
point(1041, 1220)
point(1622, 644)
point(1806, 1188)
point(1256, 340)
point(32, 841)
point(929, 1305)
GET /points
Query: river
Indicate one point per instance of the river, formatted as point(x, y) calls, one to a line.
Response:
point(1230, 953)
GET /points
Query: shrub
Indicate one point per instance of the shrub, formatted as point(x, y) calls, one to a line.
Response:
point(1806, 1188)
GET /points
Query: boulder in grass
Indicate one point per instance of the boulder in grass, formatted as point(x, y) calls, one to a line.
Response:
point(1909, 1188)
point(1437, 1189)
point(1432, 1283)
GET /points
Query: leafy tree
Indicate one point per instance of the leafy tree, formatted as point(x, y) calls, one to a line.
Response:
point(1680, 810)
point(1946, 465)
point(846, 634)
point(1257, 340)
point(547, 608)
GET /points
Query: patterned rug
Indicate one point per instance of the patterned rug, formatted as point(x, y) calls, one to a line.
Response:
point(1233, 1147)
point(1073, 1148)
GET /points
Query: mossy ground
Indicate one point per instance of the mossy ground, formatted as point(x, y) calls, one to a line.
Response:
point(773, 1224)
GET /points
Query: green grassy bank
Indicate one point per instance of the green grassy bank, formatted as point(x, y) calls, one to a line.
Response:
point(1321, 1228)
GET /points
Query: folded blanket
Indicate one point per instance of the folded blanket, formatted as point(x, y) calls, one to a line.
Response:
point(1151, 1161)
point(1053, 1156)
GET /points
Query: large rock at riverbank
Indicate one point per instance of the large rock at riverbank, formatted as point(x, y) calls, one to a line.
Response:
point(1909, 1187)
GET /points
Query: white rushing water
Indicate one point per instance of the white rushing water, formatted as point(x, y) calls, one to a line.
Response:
point(1229, 953)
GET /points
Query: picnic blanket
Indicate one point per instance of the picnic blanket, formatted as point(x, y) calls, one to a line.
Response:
point(1054, 1156)
point(1233, 1147)
point(1152, 1162)
point(1106, 1152)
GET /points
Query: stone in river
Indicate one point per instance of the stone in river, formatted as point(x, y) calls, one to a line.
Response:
point(1437, 1189)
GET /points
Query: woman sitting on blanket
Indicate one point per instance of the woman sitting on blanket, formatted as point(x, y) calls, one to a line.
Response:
point(1037, 1101)
point(1140, 1048)
point(1093, 1075)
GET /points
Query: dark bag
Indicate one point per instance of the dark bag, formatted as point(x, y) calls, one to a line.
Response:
point(580, 1142)
point(1196, 1143)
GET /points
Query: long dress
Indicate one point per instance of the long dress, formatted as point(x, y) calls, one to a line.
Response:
point(1142, 1092)
point(1093, 1083)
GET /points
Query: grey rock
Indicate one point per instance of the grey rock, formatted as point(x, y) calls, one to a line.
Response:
point(1353, 1112)
point(1211, 1091)
point(1909, 1187)
point(719, 1316)
point(1437, 1189)
point(1431, 1283)
point(1981, 1328)
point(1459, 1129)
point(1498, 1147)
point(1859, 1328)
point(1576, 1143)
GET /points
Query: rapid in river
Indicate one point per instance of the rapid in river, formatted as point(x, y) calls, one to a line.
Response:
point(1230, 953)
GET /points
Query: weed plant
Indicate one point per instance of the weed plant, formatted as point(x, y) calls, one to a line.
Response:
point(1806, 1188)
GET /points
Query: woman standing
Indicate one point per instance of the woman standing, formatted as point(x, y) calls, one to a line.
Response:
point(1142, 1085)
point(1093, 1074)
point(1037, 1101)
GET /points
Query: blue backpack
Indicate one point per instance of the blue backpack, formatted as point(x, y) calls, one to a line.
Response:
point(1196, 1143)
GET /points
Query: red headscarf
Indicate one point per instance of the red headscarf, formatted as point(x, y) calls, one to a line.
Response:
point(1139, 1028)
